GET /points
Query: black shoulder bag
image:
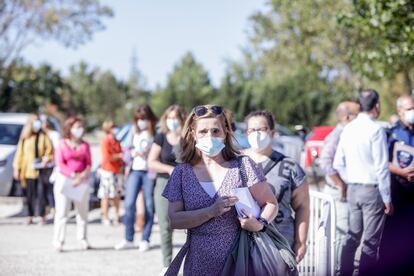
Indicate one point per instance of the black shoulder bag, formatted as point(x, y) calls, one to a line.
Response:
point(260, 253)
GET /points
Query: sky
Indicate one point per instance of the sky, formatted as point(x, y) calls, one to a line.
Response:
point(160, 32)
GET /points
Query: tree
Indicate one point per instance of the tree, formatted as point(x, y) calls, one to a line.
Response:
point(239, 87)
point(95, 94)
point(383, 39)
point(70, 22)
point(303, 60)
point(188, 85)
point(29, 88)
point(291, 35)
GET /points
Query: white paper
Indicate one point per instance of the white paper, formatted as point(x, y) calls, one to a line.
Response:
point(75, 193)
point(246, 202)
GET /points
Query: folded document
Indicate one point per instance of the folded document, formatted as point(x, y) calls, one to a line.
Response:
point(246, 202)
point(75, 193)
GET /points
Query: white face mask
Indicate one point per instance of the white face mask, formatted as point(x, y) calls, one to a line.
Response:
point(259, 139)
point(142, 124)
point(77, 132)
point(172, 124)
point(409, 116)
point(36, 126)
point(210, 146)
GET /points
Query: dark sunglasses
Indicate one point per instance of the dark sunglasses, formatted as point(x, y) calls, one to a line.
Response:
point(202, 110)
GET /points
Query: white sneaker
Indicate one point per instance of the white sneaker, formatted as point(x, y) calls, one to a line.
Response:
point(84, 245)
point(124, 245)
point(144, 246)
point(163, 271)
point(106, 222)
point(58, 246)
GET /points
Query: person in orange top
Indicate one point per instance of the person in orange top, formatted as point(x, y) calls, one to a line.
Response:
point(110, 173)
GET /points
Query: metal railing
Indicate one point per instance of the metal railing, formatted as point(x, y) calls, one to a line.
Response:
point(320, 256)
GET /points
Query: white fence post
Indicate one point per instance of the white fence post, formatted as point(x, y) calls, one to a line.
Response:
point(320, 256)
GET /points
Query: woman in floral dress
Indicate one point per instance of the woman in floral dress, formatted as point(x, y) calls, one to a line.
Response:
point(200, 193)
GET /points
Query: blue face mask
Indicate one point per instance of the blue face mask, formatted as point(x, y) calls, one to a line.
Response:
point(172, 124)
point(210, 146)
point(36, 126)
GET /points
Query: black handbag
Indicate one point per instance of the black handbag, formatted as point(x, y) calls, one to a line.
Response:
point(260, 253)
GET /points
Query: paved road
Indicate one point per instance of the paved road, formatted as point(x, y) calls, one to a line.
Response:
point(27, 250)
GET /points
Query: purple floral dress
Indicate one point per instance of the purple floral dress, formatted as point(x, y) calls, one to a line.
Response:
point(209, 244)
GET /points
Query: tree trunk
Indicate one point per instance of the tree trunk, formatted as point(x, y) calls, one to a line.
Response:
point(408, 82)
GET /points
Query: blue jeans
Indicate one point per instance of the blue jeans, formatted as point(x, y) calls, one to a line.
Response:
point(136, 180)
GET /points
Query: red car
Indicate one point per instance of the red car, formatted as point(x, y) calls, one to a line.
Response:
point(313, 148)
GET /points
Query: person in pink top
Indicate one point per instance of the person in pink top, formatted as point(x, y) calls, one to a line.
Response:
point(73, 160)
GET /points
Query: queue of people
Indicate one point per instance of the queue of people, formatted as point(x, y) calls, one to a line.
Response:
point(198, 166)
point(369, 173)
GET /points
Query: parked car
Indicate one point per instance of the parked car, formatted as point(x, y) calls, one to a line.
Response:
point(11, 125)
point(313, 148)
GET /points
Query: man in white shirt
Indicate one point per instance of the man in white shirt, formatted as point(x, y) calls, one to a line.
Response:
point(363, 154)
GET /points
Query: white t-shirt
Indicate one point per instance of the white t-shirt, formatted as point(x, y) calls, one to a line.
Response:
point(141, 142)
point(210, 187)
point(54, 136)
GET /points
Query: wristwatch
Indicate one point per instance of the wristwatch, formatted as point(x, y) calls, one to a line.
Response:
point(264, 222)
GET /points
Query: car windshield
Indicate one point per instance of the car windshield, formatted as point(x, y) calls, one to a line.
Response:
point(9, 134)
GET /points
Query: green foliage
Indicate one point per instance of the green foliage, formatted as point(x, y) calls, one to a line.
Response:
point(303, 57)
point(239, 87)
point(30, 88)
point(188, 85)
point(382, 38)
point(95, 94)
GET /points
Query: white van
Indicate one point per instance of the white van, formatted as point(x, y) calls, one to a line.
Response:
point(11, 125)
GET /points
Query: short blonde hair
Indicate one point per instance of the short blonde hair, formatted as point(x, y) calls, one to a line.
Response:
point(107, 126)
point(180, 114)
point(188, 151)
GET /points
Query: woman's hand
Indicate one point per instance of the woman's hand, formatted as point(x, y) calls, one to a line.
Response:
point(250, 223)
point(77, 180)
point(170, 170)
point(16, 174)
point(222, 205)
point(300, 251)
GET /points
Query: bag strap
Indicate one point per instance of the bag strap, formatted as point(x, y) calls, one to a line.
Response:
point(275, 158)
point(242, 170)
point(37, 145)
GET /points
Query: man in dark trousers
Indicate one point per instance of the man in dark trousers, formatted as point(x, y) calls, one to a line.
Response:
point(397, 245)
point(363, 154)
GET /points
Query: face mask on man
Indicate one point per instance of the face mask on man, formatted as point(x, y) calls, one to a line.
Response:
point(77, 132)
point(409, 116)
point(142, 124)
point(36, 126)
point(259, 139)
point(210, 146)
point(172, 124)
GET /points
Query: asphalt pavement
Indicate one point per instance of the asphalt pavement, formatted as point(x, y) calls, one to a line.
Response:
point(27, 249)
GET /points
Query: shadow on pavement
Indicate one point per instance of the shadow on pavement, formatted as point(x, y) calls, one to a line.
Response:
point(111, 248)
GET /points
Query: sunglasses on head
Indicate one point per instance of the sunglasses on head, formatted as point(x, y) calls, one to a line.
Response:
point(202, 110)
